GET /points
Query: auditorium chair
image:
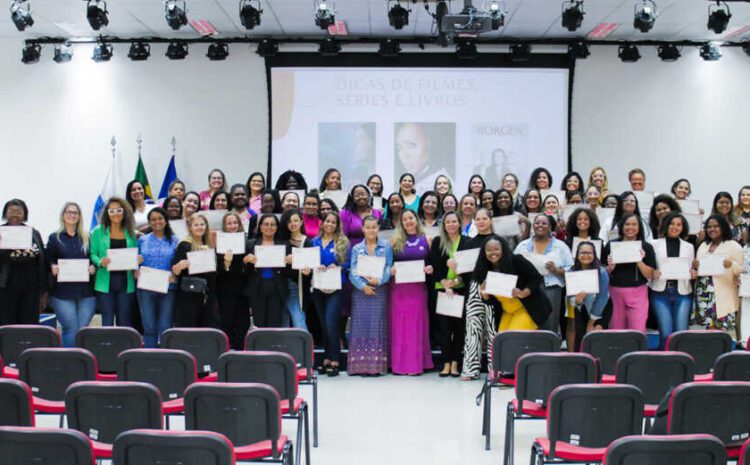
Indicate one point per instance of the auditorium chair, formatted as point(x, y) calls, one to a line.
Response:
point(704, 346)
point(16, 403)
point(106, 343)
point(14, 339)
point(609, 345)
point(687, 449)
point(732, 366)
point(206, 345)
point(156, 447)
point(42, 446)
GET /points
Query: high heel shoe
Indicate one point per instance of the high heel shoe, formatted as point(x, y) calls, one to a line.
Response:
point(454, 370)
point(332, 370)
point(446, 371)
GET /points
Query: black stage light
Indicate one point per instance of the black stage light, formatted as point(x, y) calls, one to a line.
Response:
point(329, 47)
point(139, 51)
point(668, 52)
point(628, 53)
point(250, 14)
point(466, 49)
point(710, 52)
point(31, 53)
point(398, 16)
point(746, 48)
point(389, 48)
point(578, 50)
point(645, 15)
point(718, 17)
point(217, 51)
point(21, 16)
point(572, 15)
point(520, 52)
point(324, 17)
point(267, 48)
point(177, 50)
point(497, 16)
point(102, 52)
point(63, 53)
point(175, 12)
point(96, 14)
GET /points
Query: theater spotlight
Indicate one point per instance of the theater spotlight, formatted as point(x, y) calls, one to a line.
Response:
point(329, 47)
point(645, 15)
point(398, 16)
point(63, 53)
point(175, 12)
point(250, 14)
point(96, 14)
point(628, 53)
point(31, 53)
point(718, 17)
point(746, 48)
point(102, 52)
point(466, 49)
point(389, 48)
point(324, 16)
point(497, 16)
point(139, 51)
point(578, 50)
point(572, 15)
point(21, 16)
point(520, 52)
point(267, 48)
point(668, 52)
point(218, 51)
point(710, 52)
point(177, 50)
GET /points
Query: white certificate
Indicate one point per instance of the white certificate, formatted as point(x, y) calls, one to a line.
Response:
point(745, 285)
point(711, 265)
point(597, 246)
point(328, 279)
point(73, 271)
point(179, 228)
point(15, 237)
point(214, 218)
point(466, 260)
point(506, 226)
point(386, 234)
point(625, 251)
point(645, 199)
point(377, 203)
point(586, 281)
point(452, 306)
point(532, 216)
point(539, 261)
point(230, 242)
point(338, 197)
point(501, 284)
point(691, 207)
point(432, 231)
point(300, 195)
point(675, 268)
point(411, 271)
point(305, 257)
point(695, 222)
point(202, 261)
point(122, 259)
point(370, 266)
point(151, 279)
point(270, 256)
point(604, 214)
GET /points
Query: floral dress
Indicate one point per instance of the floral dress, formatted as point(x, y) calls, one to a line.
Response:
point(705, 307)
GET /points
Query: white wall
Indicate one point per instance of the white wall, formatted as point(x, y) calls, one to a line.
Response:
point(56, 121)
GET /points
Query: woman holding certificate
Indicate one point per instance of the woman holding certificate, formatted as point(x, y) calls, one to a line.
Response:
point(194, 264)
point(503, 207)
point(234, 307)
point(356, 209)
point(671, 292)
point(114, 252)
point(135, 194)
point(256, 184)
point(293, 233)
point(583, 226)
point(216, 182)
point(630, 262)
point(584, 308)
point(724, 206)
point(72, 293)
point(334, 256)
point(409, 321)
point(719, 263)
point(369, 273)
point(468, 208)
point(627, 204)
point(157, 249)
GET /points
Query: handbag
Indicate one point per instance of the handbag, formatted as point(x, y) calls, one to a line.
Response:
point(194, 285)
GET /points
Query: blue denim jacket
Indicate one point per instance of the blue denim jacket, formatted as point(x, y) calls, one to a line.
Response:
point(383, 249)
point(595, 303)
point(563, 252)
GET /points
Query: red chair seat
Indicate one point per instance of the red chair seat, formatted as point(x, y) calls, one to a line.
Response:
point(259, 449)
point(704, 378)
point(171, 407)
point(564, 450)
point(649, 410)
point(507, 381)
point(530, 408)
point(106, 376)
point(101, 450)
point(9, 372)
point(733, 452)
point(49, 406)
point(301, 374)
point(209, 378)
point(609, 379)
point(284, 405)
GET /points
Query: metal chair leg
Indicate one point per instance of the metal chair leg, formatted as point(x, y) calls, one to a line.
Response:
point(307, 435)
point(315, 410)
point(508, 448)
point(488, 416)
point(297, 456)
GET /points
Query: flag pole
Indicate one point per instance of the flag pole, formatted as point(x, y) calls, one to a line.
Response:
point(113, 143)
point(173, 142)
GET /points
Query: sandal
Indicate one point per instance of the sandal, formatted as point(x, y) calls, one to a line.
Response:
point(454, 370)
point(446, 371)
point(332, 370)
point(324, 367)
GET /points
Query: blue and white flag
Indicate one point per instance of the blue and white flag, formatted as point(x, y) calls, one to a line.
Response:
point(112, 187)
point(169, 177)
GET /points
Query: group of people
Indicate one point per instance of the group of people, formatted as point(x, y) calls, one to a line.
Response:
point(366, 240)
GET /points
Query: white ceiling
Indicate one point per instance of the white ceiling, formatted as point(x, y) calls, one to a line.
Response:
point(527, 19)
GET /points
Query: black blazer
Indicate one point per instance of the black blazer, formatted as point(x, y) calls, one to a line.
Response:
point(536, 303)
point(280, 275)
point(236, 277)
point(40, 269)
point(438, 259)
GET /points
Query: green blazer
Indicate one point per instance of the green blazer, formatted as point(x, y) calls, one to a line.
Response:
point(99, 244)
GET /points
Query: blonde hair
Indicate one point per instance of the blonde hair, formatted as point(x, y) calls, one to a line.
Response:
point(340, 241)
point(205, 240)
point(79, 226)
point(446, 245)
point(605, 186)
point(224, 221)
point(399, 237)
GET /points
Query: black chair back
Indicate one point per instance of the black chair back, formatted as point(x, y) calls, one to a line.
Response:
point(538, 374)
point(296, 342)
point(106, 344)
point(171, 371)
point(16, 407)
point(49, 372)
point(655, 373)
point(205, 344)
point(732, 366)
point(609, 345)
point(150, 447)
point(689, 449)
point(28, 446)
point(102, 410)
point(509, 346)
point(14, 339)
point(275, 369)
point(704, 346)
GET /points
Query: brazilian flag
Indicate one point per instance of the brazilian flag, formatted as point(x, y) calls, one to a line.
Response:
point(140, 176)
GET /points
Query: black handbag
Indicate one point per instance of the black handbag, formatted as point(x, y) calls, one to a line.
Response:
point(194, 285)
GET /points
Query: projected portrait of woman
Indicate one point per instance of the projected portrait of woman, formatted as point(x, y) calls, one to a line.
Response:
point(427, 150)
point(350, 147)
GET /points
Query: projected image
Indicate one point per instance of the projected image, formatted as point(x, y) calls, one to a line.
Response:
point(427, 150)
point(500, 148)
point(348, 147)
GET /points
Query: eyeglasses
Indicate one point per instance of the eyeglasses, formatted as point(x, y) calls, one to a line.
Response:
point(72, 212)
point(115, 211)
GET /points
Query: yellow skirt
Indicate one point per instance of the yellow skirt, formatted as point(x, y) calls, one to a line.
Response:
point(515, 316)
